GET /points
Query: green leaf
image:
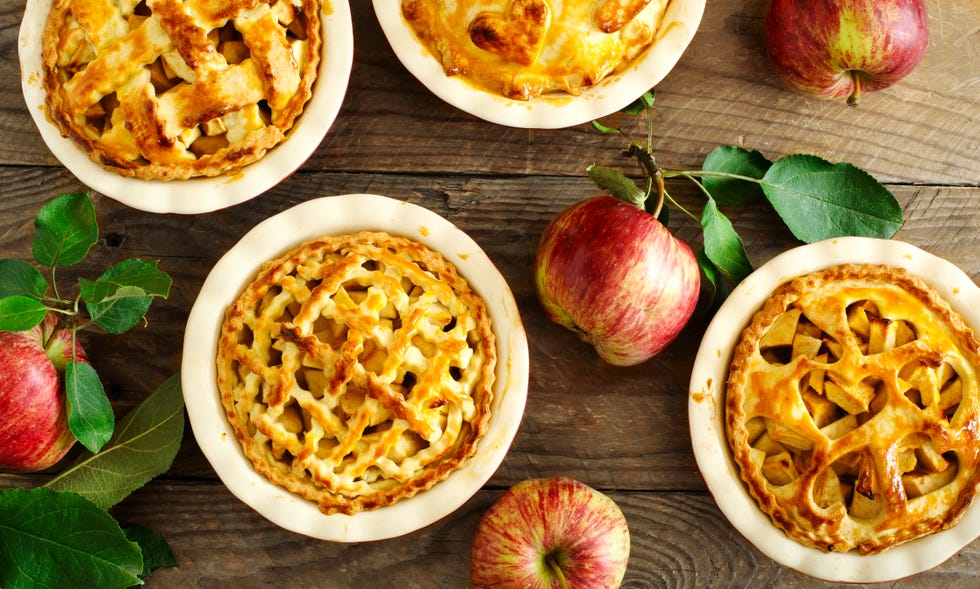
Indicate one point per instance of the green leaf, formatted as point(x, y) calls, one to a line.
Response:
point(90, 415)
point(17, 277)
point(709, 269)
point(639, 105)
point(133, 272)
point(719, 287)
point(144, 446)
point(618, 184)
point(119, 299)
point(119, 314)
point(819, 200)
point(723, 246)
point(51, 540)
point(20, 313)
point(66, 229)
point(156, 552)
point(728, 159)
point(604, 129)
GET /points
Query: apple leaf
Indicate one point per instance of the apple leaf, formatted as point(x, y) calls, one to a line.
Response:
point(156, 552)
point(17, 277)
point(618, 184)
point(90, 416)
point(144, 446)
point(120, 313)
point(20, 313)
point(722, 245)
point(118, 299)
point(65, 230)
point(820, 200)
point(736, 161)
point(642, 103)
point(717, 288)
point(50, 539)
point(132, 272)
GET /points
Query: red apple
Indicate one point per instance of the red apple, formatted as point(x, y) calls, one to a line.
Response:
point(839, 48)
point(550, 534)
point(34, 432)
point(613, 274)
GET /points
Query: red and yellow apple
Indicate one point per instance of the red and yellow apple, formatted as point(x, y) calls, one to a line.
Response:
point(613, 274)
point(555, 533)
point(34, 432)
point(839, 48)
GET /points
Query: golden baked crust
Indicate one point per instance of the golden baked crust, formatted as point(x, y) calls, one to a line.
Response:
point(522, 49)
point(173, 89)
point(357, 370)
point(852, 409)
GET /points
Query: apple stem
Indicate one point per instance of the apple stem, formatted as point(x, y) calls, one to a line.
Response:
point(552, 563)
point(649, 164)
point(855, 96)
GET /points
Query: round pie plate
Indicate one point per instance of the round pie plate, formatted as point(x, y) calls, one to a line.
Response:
point(614, 93)
point(273, 238)
point(706, 409)
point(198, 195)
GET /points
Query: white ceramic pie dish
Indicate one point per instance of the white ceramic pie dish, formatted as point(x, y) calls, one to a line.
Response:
point(198, 195)
point(239, 266)
point(706, 409)
point(548, 112)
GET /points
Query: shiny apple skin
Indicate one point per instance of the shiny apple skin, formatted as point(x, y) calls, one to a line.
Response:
point(819, 47)
point(616, 276)
point(34, 432)
point(538, 516)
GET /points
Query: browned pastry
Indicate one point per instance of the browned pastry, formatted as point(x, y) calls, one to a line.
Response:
point(522, 49)
point(852, 409)
point(357, 370)
point(173, 89)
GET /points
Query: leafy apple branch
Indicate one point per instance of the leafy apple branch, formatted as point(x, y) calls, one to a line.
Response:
point(65, 230)
point(67, 520)
point(816, 199)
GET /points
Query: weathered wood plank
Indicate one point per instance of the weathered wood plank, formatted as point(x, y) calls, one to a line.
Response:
point(622, 430)
point(677, 540)
point(922, 131)
point(636, 416)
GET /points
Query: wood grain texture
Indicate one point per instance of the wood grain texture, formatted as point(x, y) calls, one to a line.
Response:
point(623, 431)
point(722, 92)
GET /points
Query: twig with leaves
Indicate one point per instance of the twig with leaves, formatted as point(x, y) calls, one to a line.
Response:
point(815, 198)
point(65, 230)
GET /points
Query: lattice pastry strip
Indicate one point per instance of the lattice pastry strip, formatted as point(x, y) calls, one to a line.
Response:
point(852, 409)
point(173, 89)
point(357, 370)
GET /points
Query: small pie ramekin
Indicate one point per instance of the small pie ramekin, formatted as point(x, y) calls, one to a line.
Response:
point(681, 21)
point(274, 237)
point(706, 410)
point(198, 195)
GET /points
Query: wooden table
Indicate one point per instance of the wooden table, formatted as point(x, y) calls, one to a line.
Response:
point(623, 431)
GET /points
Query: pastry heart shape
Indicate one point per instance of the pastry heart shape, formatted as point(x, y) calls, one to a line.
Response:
point(516, 34)
point(612, 15)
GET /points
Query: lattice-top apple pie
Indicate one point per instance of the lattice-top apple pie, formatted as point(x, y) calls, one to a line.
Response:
point(173, 89)
point(522, 49)
point(357, 370)
point(852, 409)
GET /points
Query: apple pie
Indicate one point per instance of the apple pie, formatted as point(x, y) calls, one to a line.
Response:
point(357, 370)
point(852, 409)
point(174, 89)
point(522, 49)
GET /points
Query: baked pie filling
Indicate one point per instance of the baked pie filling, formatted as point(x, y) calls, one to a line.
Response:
point(852, 409)
point(522, 49)
point(173, 89)
point(357, 370)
